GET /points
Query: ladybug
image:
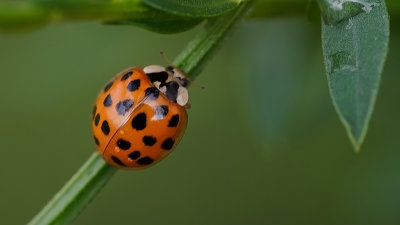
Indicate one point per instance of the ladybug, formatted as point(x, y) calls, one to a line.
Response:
point(140, 116)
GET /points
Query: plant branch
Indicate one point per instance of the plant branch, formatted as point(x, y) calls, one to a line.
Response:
point(76, 193)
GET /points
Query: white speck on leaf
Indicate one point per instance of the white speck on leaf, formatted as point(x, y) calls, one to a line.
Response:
point(349, 24)
point(338, 4)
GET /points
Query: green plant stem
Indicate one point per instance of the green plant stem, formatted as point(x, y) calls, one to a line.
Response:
point(76, 193)
point(95, 173)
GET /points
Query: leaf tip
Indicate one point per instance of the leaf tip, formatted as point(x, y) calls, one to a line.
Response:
point(357, 147)
point(356, 141)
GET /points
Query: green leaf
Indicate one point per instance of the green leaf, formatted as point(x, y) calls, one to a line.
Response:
point(198, 8)
point(32, 14)
point(333, 11)
point(157, 21)
point(354, 48)
point(21, 15)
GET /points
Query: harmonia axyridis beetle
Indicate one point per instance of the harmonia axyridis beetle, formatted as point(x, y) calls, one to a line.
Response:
point(140, 116)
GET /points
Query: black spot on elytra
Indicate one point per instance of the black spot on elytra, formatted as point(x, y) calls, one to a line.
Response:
point(167, 144)
point(173, 122)
point(105, 128)
point(123, 144)
point(161, 112)
point(107, 101)
point(97, 119)
point(134, 85)
point(108, 86)
point(172, 90)
point(158, 76)
point(145, 161)
point(117, 161)
point(126, 76)
point(94, 111)
point(149, 140)
point(96, 140)
point(123, 107)
point(152, 93)
point(134, 155)
point(139, 121)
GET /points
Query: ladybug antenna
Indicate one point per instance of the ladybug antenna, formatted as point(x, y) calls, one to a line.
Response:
point(195, 83)
point(166, 59)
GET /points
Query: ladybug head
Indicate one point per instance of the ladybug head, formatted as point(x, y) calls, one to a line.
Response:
point(170, 81)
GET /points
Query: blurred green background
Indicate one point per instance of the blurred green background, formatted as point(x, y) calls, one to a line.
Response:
point(263, 146)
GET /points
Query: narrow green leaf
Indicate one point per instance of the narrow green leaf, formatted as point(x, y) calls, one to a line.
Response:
point(76, 193)
point(32, 14)
point(333, 11)
point(19, 15)
point(157, 21)
point(354, 47)
point(198, 8)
